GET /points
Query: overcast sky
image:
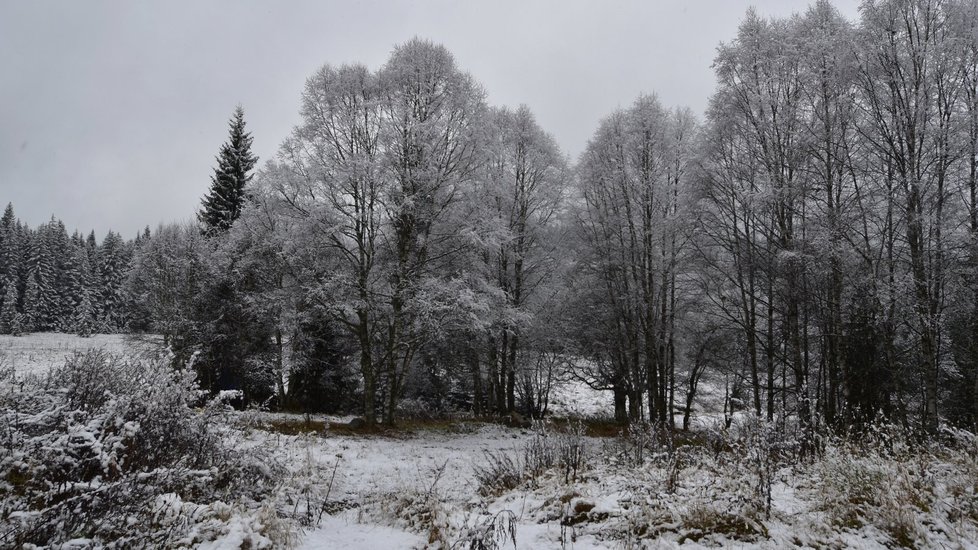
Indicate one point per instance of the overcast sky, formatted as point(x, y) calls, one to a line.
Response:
point(111, 112)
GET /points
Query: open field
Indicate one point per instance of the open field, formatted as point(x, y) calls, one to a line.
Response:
point(422, 489)
point(38, 352)
point(278, 480)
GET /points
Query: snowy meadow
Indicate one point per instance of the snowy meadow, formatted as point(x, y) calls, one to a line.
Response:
point(113, 448)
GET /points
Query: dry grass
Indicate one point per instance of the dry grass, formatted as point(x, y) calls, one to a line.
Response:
point(296, 425)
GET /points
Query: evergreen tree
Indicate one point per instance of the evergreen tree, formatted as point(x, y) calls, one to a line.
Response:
point(32, 315)
point(8, 247)
point(24, 241)
point(46, 246)
point(113, 264)
point(88, 283)
point(19, 325)
point(8, 310)
point(91, 247)
point(84, 317)
point(226, 198)
point(69, 276)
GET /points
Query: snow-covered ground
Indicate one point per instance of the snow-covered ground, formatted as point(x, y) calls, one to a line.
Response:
point(577, 400)
point(573, 399)
point(466, 484)
point(419, 489)
point(39, 352)
point(382, 464)
point(372, 472)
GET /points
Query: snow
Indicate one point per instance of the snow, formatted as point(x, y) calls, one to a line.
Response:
point(38, 352)
point(577, 400)
point(380, 479)
point(385, 465)
point(344, 532)
point(417, 487)
point(240, 534)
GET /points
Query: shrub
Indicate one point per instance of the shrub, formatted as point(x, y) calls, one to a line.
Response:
point(701, 520)
point(500, 473)
point(89, 452)
point(546, 451)
point(881, 480)
point(493, 533)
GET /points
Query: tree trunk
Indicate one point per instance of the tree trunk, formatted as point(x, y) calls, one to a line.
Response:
point(621, 413)
point(511, 373)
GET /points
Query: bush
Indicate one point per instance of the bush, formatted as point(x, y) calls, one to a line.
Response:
point(492, 533)
point(546, 451)
point(635, 444)
point(883, 479)
point(702, 520)
point(500, 473)
point(89, 452)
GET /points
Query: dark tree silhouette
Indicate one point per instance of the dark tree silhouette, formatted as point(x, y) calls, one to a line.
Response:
point(226, 197)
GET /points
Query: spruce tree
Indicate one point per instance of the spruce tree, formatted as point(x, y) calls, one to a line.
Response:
point(111, 272)
point(46, 307)
point(83, 322)
point(91, 248)
point(69, 276)
point(32, 312)
point(8, 310)
point(226, 197)
point(8, 246)
point(19, 325)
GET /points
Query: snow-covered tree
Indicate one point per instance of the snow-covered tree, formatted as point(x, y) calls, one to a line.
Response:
point(32, 305)
point(113, 264)
point(633, 182)
point(516, 206)
point(166, 277)
point(327, 193)
point(432, 112)
point(366, 187)
point(8, 309)
point(9, 246)
point(223, 203)
point(83, 321)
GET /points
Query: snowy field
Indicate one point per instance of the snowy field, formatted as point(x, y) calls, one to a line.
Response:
point(38, 352)
point(268, 480)
point(420, 490)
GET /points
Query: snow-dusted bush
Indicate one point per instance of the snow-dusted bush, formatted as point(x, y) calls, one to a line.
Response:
point(716, 486)
point(918, 493)
point(500, 472)
point(861, 489)
point(962, 482)
point(109, 450)
point(418, 509)
point(637, 443)
point(564, 452)
point(495, 532)
point(701, 519)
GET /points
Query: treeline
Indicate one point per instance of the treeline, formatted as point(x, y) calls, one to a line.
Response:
point(839, 236)
point(815, 240)
point(811, 245)
point(50, 281)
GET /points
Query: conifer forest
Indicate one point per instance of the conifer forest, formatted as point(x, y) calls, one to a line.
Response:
point(421, 323)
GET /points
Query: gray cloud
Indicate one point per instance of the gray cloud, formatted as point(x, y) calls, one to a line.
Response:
point(112, 112)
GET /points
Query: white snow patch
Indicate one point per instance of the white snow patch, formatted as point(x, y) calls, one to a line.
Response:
point(342, 532)
point(39, 352)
